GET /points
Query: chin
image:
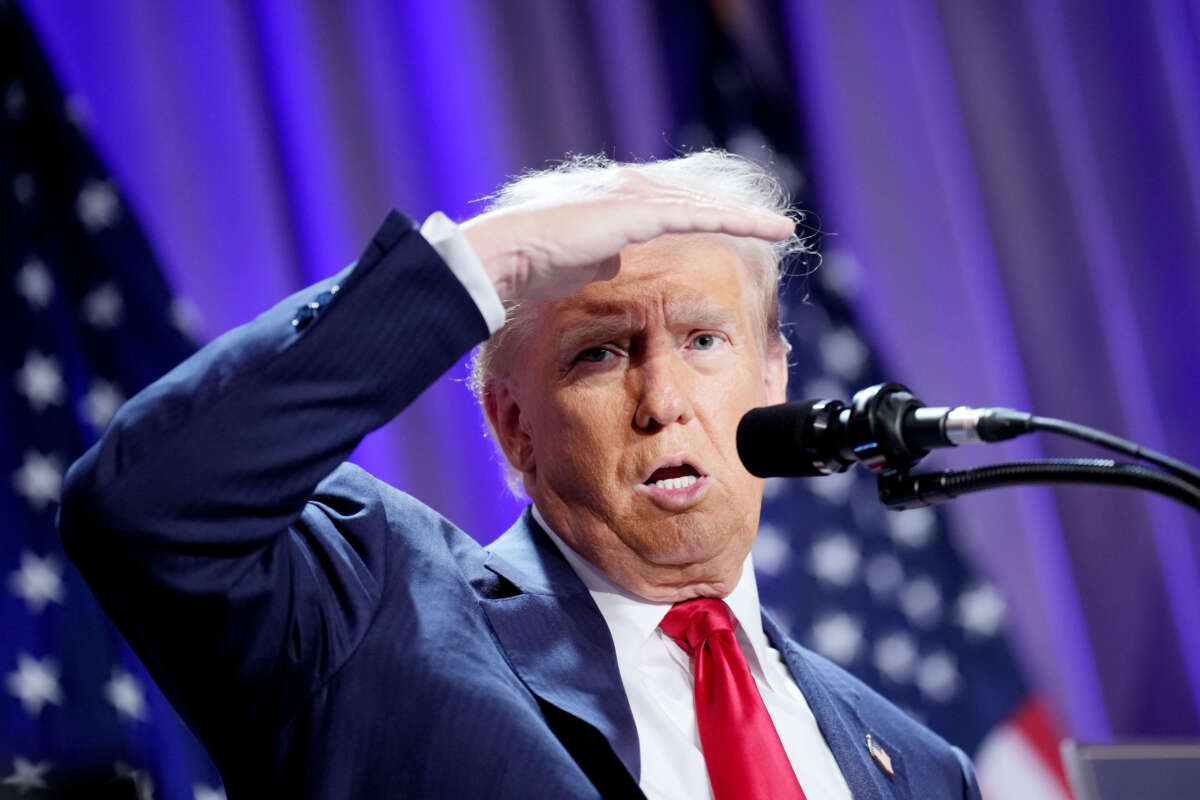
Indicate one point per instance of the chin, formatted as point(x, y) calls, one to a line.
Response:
point(682, 541)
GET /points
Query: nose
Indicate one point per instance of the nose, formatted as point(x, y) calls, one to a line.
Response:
point(663, 395)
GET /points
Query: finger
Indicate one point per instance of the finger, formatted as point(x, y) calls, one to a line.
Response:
point(760, 225)
point(735, 220)
point(738, 219)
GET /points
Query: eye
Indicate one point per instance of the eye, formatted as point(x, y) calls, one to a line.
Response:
point(593, 355)
point(705, 341)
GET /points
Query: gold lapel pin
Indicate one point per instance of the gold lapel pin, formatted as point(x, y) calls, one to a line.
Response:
point(880, 755)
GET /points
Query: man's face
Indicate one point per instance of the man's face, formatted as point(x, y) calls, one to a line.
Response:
point(626, 411)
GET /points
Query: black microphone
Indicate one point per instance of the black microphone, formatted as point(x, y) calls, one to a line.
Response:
point(884, 428)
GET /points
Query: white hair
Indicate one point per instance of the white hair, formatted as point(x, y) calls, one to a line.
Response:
point(717, 173)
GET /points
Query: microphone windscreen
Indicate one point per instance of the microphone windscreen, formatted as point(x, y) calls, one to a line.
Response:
point(774, 441)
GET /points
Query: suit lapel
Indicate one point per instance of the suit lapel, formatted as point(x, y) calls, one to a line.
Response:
point(559, 645)
point(842, 727)
point(556, 639)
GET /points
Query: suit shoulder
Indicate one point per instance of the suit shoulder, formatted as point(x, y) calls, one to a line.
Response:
point(355, 500)
point(932, 760)
point(872, 706)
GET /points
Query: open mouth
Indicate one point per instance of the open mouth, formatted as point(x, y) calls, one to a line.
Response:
point(678, 476)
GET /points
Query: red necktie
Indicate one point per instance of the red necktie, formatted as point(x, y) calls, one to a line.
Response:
point(746, 760)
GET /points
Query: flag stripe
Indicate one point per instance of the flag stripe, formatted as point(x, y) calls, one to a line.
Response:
point(1035, 723)
point(1009, 767)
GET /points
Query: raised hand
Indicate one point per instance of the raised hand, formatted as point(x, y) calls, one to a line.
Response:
point(547, 252)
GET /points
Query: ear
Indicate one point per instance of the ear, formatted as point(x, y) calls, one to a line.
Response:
point(775, 373)
point(504, 418)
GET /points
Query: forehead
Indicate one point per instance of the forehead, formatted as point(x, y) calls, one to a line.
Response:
point(669, 277)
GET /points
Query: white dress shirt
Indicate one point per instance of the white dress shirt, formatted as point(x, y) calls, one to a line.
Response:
point(655, 670)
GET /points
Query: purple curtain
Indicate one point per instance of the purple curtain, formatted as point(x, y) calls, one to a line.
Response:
point(1012, 190)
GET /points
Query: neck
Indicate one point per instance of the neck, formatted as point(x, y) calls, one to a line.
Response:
point(633, 574)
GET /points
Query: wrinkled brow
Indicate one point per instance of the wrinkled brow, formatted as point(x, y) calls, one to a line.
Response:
point(701, 312)
point(593, 328)
point(602, 322)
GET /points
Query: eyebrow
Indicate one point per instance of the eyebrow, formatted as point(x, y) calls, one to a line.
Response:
point(596, 329)
point(701, 313)
point(609, 320)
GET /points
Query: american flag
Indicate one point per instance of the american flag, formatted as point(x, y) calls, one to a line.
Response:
point(883, 593)
point(87, 320)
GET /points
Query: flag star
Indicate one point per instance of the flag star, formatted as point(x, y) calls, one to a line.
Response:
point(841, 273)
point(37, 582)
point(843, 353)
point(834, 489)
point(26, 775)
point(914, 527)
point(33, 282)
point(895, 655)
point(126, 695)
point(774, 487)
point(77, 112)
point(921, 602)
point(97, 205)
point(103, 306)
point(14, 100)
point(23, 188)
point(35, 683)
point(142, 782)
point(40, 380)
point(937, 676)
point(838, 636)
point(202, 792)
point(792, 176)
point(750, 142)
point(835, 559)
point(39, 479)
point(100, 403)
point(185, 316)
point(771, 549)
point(695, 134)
point(981, 610)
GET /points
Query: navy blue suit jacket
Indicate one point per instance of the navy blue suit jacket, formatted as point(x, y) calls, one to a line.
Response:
point(326, 635)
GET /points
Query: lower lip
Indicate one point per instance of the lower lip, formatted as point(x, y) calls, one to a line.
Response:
point(675, 499)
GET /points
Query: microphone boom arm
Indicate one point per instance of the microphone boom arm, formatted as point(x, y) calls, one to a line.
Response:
point(888, 430)
point(900, 490)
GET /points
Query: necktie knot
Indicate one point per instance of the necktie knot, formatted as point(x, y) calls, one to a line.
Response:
point(692, 622)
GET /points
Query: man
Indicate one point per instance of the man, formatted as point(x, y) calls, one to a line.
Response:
point(327, 636)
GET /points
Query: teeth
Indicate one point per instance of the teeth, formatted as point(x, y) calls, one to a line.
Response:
point(675, 483)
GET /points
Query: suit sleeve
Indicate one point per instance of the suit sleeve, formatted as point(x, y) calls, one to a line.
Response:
point(194, 518)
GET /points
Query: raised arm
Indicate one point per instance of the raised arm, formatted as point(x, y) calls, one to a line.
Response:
point(200, 519)
point(194, 521)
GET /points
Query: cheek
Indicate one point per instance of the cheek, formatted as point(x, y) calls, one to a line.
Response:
point(580, 431)
point(736, 394)
point(728, 402)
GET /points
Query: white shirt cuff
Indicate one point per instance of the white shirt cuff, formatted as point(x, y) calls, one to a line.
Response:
point(447, 239)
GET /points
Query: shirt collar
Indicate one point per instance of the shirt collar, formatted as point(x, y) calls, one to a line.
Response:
point(633, 619)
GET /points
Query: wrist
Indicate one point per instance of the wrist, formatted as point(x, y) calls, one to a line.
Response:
point(501, 263)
